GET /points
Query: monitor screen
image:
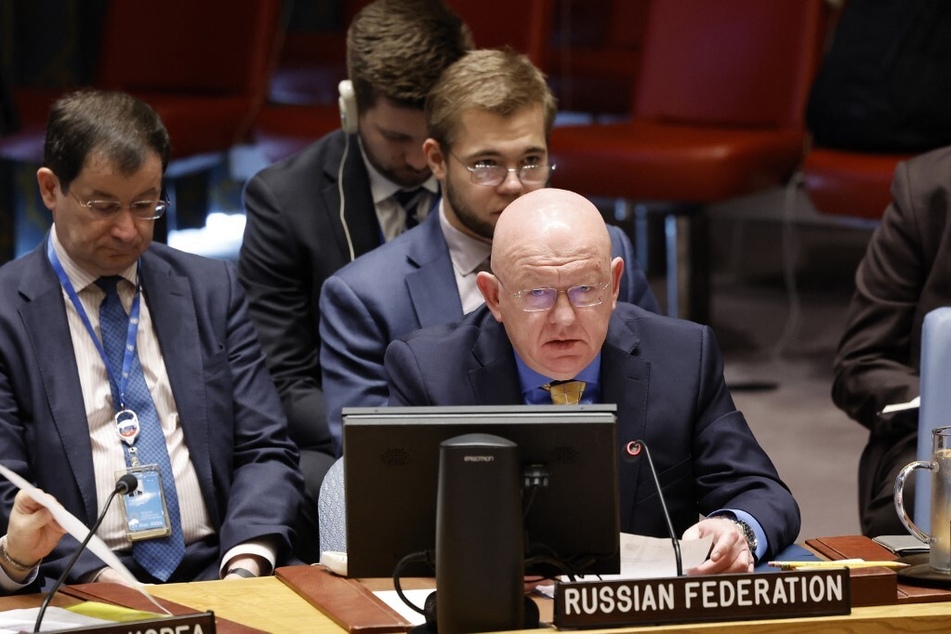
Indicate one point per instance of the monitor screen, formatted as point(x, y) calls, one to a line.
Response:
point(391, 468)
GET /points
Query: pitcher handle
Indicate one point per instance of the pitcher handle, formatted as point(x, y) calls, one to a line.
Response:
point(899, 497)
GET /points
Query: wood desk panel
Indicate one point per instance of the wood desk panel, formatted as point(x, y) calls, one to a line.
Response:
point(268, 604)
point(846, 547)
point(264, 603)
point(920, 617)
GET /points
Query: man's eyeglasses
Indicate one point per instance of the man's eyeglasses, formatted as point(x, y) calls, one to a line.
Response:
point(140, 209)
point(536, 300)
point(495, 175)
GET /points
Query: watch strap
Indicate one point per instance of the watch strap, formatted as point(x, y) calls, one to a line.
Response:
point(745, 529)
point(241, 572)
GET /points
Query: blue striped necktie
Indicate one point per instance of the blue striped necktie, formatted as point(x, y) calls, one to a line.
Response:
point(159, 556)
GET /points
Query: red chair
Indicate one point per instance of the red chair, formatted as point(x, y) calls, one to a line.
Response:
point(302, 104)
point(211, 74)
point(718, 113)
point(204, 67)
point(494, 25)
point(595, 54)
point(850, 185)
point(303, 96)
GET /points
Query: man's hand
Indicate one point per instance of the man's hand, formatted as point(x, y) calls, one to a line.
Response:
point(31, 534)
point(730, 551)
point(252, 563)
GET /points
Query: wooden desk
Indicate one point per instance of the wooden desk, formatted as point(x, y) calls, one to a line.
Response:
point(264, 603)
point(269, 605)
point(919, 617)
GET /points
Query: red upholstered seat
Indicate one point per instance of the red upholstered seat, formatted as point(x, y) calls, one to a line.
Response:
point(851, 184)
point(204, 67)
point(303, 105)
point(595, 54)
point(678, 162)
point(718, 112)
point(285, 129)
point(494, 24)
point(182, 58)
point(205, 70)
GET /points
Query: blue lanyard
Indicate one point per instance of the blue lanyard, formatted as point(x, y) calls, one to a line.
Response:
point(129, 355)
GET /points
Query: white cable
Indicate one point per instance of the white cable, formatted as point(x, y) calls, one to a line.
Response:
point(790, 249)
point(343, 219)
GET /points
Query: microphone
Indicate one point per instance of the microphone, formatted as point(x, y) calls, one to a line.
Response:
point(127, 483)
point(634, 449)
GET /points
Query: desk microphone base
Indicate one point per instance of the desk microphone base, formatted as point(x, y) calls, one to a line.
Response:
point(920, 573)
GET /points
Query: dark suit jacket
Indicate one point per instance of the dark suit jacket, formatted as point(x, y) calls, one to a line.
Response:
point(293, 241)
point(666, 377)
point(905, 274)
point(403, 286)
point(229, 410)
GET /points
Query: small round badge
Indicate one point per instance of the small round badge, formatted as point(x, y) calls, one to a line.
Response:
point(127, 424)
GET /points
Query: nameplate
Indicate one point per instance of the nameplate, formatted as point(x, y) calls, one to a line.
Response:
point(198, 623)
point(729, 597)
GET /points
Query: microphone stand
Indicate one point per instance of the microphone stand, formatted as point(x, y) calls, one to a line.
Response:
point(126, 484)
point(637, 446)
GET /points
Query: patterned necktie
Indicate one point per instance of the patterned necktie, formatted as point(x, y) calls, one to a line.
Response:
point(159, 556)
point(565, 392)
point(408, 199)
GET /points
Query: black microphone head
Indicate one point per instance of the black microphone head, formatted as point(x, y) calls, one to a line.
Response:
point(127, 483)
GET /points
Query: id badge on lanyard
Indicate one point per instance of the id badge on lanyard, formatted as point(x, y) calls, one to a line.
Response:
point(145, 512)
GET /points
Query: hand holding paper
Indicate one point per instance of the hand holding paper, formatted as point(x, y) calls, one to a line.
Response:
point(78, 530)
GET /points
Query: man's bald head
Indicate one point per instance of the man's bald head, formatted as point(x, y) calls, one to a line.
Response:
point(553, 284)
point(549, 224)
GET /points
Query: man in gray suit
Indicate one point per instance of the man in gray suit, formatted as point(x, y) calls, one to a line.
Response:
point(310, 214)
point(905, 274)
point(489, 119)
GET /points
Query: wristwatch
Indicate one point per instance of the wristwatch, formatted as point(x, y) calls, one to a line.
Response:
point(241, 572)
point(745, 529)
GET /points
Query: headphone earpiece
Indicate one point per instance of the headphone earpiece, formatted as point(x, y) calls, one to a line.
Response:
point(348, 107)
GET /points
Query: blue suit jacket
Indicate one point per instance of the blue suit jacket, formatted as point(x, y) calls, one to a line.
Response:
point(400, 287)
point(666, 378)
point(229, 410)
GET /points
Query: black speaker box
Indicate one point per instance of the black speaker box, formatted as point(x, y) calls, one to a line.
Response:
point(479, 539)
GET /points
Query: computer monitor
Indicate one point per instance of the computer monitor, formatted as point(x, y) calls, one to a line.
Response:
point(391, 468)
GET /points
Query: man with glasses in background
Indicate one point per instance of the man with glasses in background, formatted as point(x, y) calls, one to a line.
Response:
point(120, 356)
point(488, 117)
point(552, 331)
point(342, 196)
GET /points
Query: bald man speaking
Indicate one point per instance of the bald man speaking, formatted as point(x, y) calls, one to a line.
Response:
point(551, 315)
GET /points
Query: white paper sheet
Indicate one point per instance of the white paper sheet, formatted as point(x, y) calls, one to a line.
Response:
point(641, 558)
point(650, 558)
point(23, 620)
point(418, 597)
point(914, 403)
point(77, 529)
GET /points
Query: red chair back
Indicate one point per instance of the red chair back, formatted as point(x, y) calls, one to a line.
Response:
point(525, 26)
point(730, 62)
point(205, 66)
point(220, 47)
